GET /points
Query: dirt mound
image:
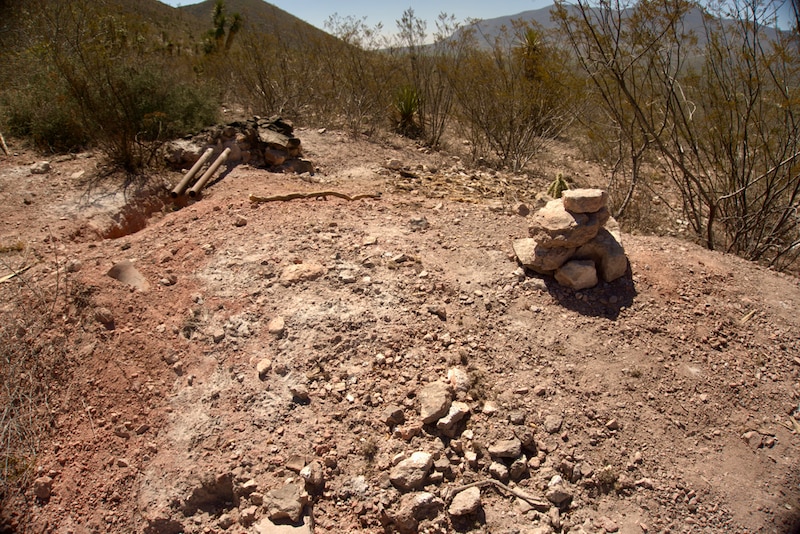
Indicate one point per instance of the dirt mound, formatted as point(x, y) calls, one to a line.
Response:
point(235, 393)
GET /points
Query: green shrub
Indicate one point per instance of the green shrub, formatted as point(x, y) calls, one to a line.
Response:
point(406, 106)
point(38, 106)
point(87, 76)
point(130, 111)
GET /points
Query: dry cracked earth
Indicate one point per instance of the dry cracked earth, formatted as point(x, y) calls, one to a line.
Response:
point(384, 365)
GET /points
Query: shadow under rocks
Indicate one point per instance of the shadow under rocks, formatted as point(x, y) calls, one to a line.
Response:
point(470, 522)
point(606, 299)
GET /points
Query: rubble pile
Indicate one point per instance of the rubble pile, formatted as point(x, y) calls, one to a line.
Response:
point(574, 239)
point(264, 143)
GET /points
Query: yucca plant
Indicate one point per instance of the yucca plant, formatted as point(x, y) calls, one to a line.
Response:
point(406, 105)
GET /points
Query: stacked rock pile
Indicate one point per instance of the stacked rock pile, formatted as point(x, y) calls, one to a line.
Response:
point(574, 239)
point(259, 142)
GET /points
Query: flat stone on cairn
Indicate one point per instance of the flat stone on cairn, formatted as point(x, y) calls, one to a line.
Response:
point(568, 240)
point(584, 200)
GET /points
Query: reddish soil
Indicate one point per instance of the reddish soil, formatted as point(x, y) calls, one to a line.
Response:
point(664, 399)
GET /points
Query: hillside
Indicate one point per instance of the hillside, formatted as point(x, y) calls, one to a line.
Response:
point(661, 402)
point(185, 24)
point(259, 16)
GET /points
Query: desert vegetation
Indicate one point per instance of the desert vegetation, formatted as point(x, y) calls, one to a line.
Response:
point(714, 113)
point(702, 120)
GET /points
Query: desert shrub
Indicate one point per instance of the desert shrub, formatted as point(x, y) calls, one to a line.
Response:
point(37, 105)
point(717, 116)
point(511, 98)
point(424, 67)
point(130, 109)
point(33, 364)
point(110, 83)
point(357, 78)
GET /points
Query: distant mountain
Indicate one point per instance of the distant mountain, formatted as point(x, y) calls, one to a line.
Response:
point(488, 29)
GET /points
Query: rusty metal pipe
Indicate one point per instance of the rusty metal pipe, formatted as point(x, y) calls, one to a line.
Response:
point(189, 175)
point(209, 173)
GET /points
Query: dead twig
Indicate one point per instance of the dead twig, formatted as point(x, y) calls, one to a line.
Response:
point(315, 194)
point(8, 277)
point(536, 503)
point(3, 145)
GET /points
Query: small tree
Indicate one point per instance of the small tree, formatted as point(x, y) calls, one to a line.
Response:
point(425, 71)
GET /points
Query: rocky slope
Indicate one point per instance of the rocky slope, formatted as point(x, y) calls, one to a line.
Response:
point(386, 365)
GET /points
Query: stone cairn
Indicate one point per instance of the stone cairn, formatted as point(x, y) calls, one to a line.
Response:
point(264, 143)
point(574, 239)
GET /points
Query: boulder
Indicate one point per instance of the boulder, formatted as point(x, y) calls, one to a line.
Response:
point(540, 259)
point(554, 226)
point(607, 253)
point(577, 274)
point(584, 200)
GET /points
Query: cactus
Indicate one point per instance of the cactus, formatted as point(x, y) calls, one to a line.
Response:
point(558, 186)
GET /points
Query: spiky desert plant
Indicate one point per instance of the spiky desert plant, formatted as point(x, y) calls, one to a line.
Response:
point(558, 186)
point(406, 105)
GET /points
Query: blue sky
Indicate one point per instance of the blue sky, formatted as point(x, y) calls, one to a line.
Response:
point(316, 12)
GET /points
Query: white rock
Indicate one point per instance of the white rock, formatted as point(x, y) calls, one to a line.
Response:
point(264, 366)
point(499, 471)
point(554, 226)
point(413, 508)
point(507, 448)
point(277, 326)
point(552, 423)
point(286, 502)
point(459, 379)
point(314, 476)
point(584, 200)
point(301, 272)
point(540, 259)
point(449, 423)
point(40, 167)
point(410, 474)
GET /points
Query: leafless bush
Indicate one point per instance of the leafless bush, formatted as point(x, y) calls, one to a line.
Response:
point(33, 363)
point(719, 112)
point(512, 99)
